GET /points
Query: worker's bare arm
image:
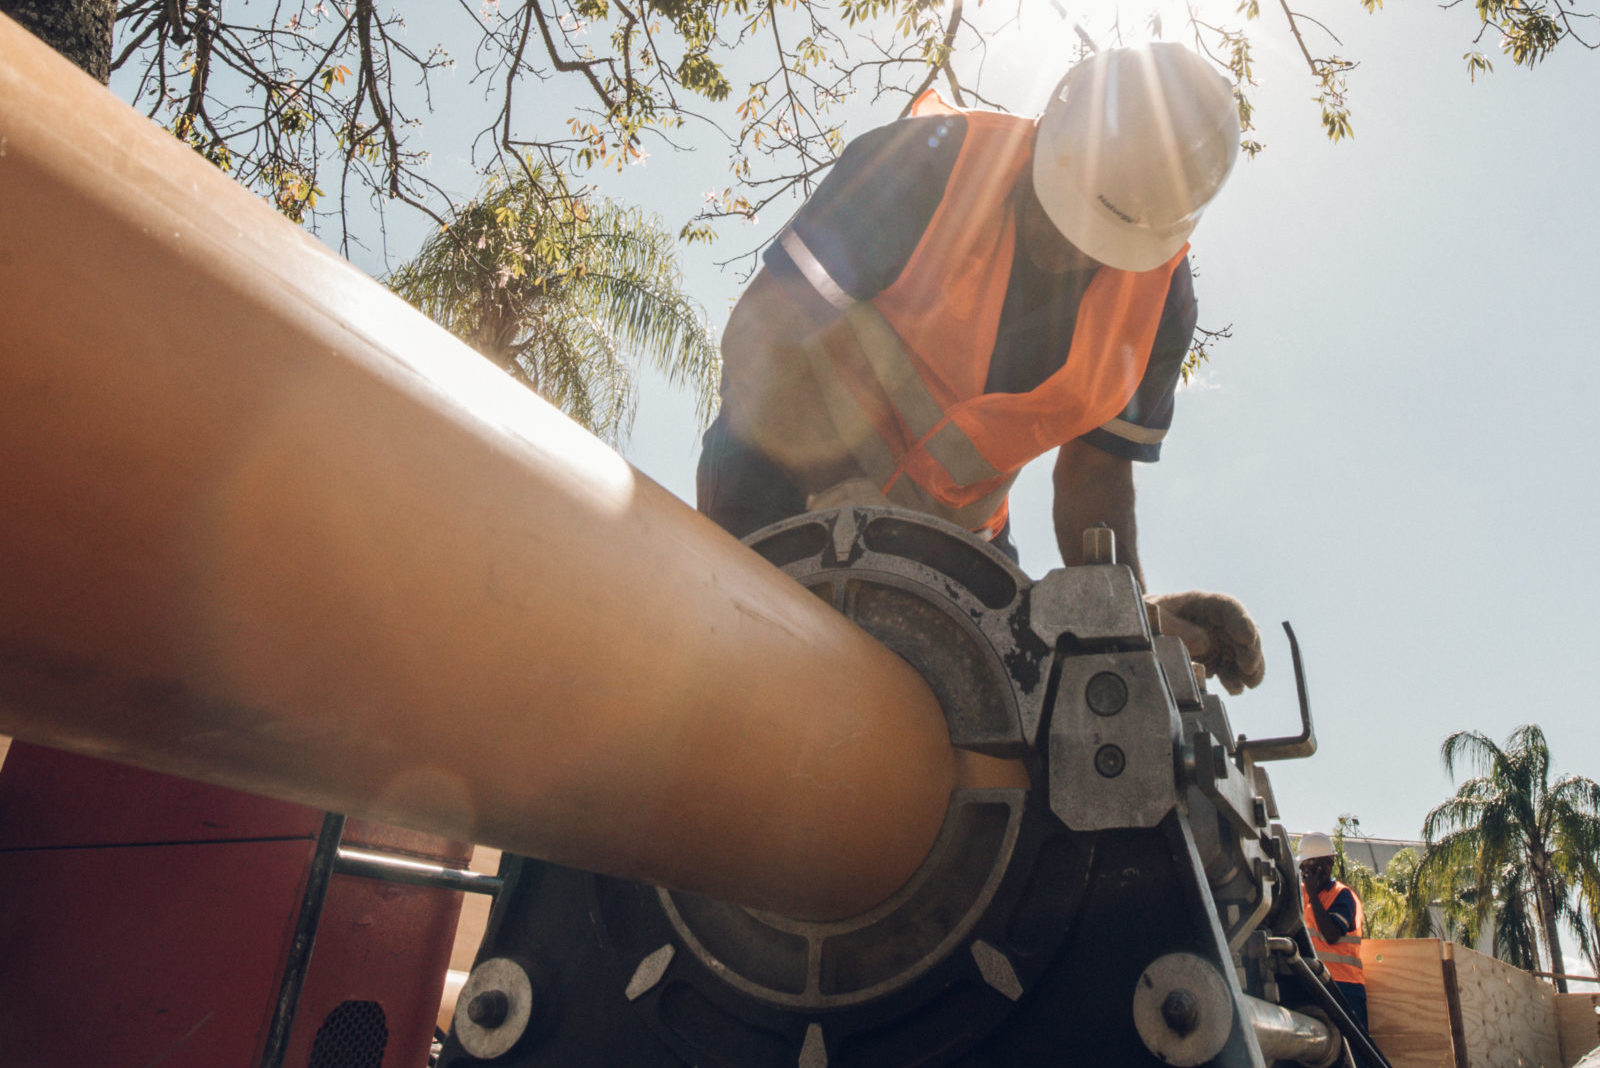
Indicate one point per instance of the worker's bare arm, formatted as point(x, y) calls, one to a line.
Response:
point(1092, 486)
point(770, 397)
point(1329, 926)
point(772, 316)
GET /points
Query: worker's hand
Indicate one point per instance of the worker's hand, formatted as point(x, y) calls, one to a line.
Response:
point(1219, 634)
point(1315, 876)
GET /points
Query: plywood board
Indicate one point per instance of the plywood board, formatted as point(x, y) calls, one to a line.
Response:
point(474, 912)
point(1407, 1003)
point(1508, 1018)
point(1578, 1025)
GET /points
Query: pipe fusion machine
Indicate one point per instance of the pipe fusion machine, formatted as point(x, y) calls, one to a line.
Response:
point(1129, 901)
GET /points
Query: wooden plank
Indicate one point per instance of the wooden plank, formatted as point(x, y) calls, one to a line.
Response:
point(474, 912)
point(1457, 1036)
point(1508, 1017)
point(1577, 1025)
point(1407, 1003)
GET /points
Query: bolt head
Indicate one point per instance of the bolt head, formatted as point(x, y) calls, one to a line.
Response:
point(1106, 694)
point(1181, 1011)
point(489, 1009)
point(1110, 761)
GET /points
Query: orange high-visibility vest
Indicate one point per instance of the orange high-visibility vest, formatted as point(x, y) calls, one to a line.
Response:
point(904, 383)
point(1342, 958)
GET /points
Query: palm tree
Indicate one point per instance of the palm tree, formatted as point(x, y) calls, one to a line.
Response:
point(1523, 842)
point(1583, 869)
point(1396, 903)
point(565, 293)
point(1401, 901)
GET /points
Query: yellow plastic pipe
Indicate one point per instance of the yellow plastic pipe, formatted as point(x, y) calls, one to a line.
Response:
point(265, 525)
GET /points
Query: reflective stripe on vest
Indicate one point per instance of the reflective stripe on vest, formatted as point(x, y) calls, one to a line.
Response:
point(864, 332)
point(1342, 958)
point(903, 375)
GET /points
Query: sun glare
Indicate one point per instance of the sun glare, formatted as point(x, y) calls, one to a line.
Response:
point(1031, 43)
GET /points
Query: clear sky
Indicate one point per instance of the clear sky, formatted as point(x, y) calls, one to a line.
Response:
point(1394, 450)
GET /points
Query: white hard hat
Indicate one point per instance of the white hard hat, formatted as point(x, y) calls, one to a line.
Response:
point(1313, 845)
point(1130, 149)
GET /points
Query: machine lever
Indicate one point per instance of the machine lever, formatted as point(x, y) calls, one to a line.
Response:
point(1300, 745)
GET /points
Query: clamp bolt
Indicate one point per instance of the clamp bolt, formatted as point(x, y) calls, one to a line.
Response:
point(1099, 545)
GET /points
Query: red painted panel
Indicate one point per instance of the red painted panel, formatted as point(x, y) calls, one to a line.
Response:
point(132, 955)
point(132, 931)
point(386, 943)
point(52, 798)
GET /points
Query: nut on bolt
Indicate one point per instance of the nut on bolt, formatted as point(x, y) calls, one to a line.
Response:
point(489, 1008)
point(496, 1007)
point(1181, 1011)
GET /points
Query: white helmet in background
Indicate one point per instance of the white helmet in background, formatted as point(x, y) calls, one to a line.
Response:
point(1314, 845)
point(1131, 147)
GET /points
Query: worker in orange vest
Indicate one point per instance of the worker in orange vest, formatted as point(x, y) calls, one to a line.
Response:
point(968, 290)
point(1333, 919)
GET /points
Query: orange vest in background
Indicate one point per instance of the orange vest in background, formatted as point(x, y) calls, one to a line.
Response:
point(1342, 958)
point(914, 363)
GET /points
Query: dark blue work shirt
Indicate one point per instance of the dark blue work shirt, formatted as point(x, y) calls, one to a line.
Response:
point(866, 218)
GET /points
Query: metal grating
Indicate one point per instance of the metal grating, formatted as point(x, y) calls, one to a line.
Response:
point(354, 1035)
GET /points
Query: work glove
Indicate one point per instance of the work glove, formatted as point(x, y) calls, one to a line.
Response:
point(1219, 634)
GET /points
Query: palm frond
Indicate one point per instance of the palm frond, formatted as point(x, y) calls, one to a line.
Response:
point(568, 294)
point(1520, 849)
point(1474, 747)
